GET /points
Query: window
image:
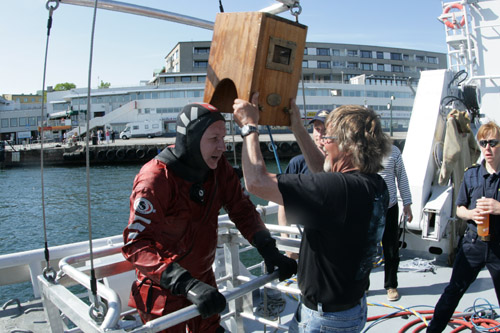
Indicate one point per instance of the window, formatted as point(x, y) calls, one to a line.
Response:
point(396, 56)
point(169, 80)
point(201, 78)
point(352, 53)
point(200, 64)
point(338, 64)
point(23, 121)
point(419, 58)
point(407, 69)
point(146, 126)
point(406, 57)
point(186, 79)
point(323, 64)
point(396, 68)
point(352, 65)
point(194, 93)
point(13, 122)
point(336, 53)
point(380, 55)
point(366, 54)
point(305, 51)
point(201, 50)
point(432, 60)
point(322, 51)
point(32, 121)
point(366, 67)
point(5, 123)
point(147, 110)
point(380, 67)
point(305, 64)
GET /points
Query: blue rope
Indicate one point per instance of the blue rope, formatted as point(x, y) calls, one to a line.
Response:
point(274, 149)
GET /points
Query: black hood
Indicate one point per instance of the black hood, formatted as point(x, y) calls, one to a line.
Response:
point(185, 158)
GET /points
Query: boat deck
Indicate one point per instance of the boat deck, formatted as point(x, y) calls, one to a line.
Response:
point(419, 291)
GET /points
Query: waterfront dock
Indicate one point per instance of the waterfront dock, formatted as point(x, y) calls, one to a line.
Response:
point(135, 150)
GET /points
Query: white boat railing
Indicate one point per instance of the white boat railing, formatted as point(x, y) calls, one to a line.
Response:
point(234, 281)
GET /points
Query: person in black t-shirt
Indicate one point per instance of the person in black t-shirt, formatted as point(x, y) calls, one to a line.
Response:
point(342, 209)
point(298, 163)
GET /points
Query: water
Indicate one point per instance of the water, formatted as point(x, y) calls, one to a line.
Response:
point(66, 208)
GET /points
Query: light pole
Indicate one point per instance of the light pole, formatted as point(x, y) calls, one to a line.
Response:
point(389, 107)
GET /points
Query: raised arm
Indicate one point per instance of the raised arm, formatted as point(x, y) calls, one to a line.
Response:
point(312, 154)
point(258, 180)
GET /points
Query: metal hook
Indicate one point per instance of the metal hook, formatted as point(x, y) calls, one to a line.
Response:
point(296, 9)
point(52, 8)
point(49, 274)
point(98, 312)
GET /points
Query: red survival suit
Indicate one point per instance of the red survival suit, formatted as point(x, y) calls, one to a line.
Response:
point(167, 226)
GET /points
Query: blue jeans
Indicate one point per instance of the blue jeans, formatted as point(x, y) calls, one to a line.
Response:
point(306, 320)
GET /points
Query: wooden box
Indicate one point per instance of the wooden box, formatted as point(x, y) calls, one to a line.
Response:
point(255, 52)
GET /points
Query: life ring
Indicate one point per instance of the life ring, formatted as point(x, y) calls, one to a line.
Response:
point(229, 146)
point(447, 22)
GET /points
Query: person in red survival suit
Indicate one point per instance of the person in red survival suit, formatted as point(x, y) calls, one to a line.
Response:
point(171, 237)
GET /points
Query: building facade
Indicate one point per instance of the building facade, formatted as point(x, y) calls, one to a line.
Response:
point(382, 78)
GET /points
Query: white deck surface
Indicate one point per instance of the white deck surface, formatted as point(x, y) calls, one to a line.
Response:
point(419, 291)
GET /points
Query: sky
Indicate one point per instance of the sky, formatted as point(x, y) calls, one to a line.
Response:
point(129, 48)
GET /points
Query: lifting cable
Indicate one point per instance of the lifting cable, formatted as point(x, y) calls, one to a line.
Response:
point(48, 272)
point(97, 309)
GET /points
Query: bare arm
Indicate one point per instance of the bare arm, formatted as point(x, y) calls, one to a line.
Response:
point(475, 214)
point(313, 156)
point(257, 180)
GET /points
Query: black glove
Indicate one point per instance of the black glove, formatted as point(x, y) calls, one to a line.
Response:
point(207, 299)
point(266, 245)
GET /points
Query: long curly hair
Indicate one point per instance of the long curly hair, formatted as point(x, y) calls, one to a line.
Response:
point(359, 133)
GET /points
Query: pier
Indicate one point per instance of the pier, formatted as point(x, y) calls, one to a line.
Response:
point(136, 150)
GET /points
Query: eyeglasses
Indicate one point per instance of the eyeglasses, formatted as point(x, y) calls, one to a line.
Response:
point(492, 143)
point(331, 138)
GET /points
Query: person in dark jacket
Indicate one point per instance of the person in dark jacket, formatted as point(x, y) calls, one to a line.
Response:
point(478, 200)
point(171, 236)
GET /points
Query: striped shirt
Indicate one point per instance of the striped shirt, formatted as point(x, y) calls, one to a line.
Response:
point(394, 169)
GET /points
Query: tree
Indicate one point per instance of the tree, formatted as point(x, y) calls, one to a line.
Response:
point(104, 85)
point(64, 86)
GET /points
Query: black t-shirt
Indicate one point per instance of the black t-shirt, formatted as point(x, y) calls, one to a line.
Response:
point(343, 215)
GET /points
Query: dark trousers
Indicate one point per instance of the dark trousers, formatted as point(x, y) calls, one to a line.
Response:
point(390, 246)
point(472, 256)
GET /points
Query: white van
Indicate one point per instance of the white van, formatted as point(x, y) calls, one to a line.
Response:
point(139, 129)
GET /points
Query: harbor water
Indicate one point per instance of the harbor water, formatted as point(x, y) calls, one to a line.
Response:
point(66, 208)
